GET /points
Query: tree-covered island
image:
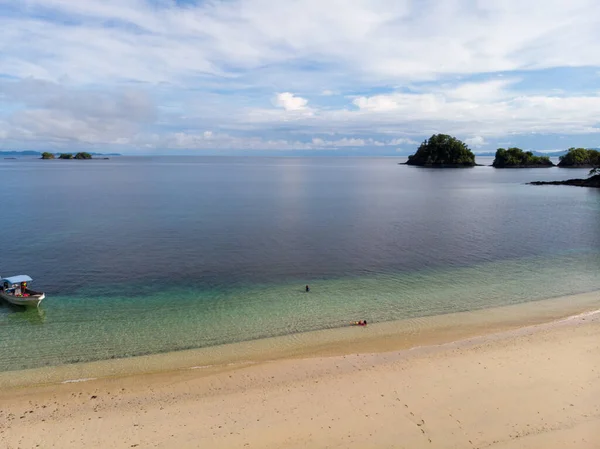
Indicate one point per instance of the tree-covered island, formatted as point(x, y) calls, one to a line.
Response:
point(580, 158)
point(517, 158)
point(442, 151)
point(13, 154)
point(81, 155)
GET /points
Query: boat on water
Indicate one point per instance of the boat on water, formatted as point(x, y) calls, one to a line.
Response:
point(15, 290)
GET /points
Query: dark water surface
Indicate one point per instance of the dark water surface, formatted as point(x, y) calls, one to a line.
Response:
point(143, 255)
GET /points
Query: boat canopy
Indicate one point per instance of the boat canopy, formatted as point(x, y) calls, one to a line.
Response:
point(17, 279)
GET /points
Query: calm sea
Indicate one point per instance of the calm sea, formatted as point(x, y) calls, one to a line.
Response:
point(145, 255)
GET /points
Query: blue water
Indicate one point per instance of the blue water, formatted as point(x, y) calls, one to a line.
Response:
point(145, 255)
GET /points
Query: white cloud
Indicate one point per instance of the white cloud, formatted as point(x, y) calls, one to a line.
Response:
point(475, 141)
point(485, 91)
point(57, 113)
point(132, 71)
point(192, 141)
point(494, 111)
point(290, 102)
point(376, 40)
point(377, 103)
point(318, 142)
point(61, 114)
point(403, 141)
point(122, 103)
point(345, 142)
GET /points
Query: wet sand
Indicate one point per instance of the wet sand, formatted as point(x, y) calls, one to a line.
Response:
point(530, 387)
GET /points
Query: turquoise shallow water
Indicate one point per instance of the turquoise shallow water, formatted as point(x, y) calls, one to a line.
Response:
point(92, 326)
point(149, 255)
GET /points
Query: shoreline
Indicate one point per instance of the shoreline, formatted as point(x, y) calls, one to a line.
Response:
point(383, 337)
point(524, 388)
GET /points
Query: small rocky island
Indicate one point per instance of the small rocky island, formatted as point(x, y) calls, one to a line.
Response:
point(517, 158)
point(79, 156)
point(593, 181)
point(442, 151)
point(580, 158)
point(15, 154)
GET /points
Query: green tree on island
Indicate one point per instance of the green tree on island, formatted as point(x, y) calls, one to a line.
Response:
point(516, 157)
point(47, 155)
point(442, 150)
point(83, 155)
point(580, 157)
point(65, 156)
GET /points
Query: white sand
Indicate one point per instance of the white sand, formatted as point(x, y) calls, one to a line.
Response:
point(538, 387)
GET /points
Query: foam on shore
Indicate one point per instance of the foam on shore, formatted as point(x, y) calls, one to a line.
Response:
point(75, 381)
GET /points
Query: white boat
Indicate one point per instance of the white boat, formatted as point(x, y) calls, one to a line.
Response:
point(15, 290)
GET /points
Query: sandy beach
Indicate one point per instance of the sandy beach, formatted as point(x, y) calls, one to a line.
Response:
point(538, 386)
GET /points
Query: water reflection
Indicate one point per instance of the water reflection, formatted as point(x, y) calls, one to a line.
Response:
point(15, 314)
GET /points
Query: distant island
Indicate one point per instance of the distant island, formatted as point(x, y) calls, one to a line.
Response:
point(517, 158)
point(79, 156)
point(14, 154)
point(580, 158)
point(442, 151)
point(28, 153)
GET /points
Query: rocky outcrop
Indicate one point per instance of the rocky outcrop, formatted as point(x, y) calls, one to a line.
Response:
point(594, 181)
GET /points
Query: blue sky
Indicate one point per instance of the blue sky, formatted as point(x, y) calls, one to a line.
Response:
point(343, 76)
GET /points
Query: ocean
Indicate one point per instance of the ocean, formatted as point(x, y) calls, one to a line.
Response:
point(147, 255)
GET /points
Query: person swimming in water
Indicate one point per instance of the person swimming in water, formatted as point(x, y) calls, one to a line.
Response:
point(307, 289)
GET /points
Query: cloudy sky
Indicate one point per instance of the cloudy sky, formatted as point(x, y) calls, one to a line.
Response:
point(362, 76)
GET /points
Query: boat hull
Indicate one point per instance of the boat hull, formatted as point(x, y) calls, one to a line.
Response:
point(27, 301)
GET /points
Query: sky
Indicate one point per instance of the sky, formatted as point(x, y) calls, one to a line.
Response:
point(297, 76)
